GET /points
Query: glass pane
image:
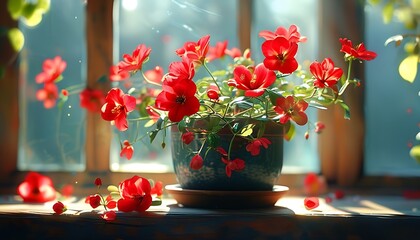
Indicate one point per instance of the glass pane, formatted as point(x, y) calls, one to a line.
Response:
point(52, 139)
point(165, 26)
point(391, 104)
point(268, 15)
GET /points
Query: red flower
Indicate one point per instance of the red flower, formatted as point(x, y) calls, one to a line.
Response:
point(153, 114)
point(187, 137)
point(213, 92)
point(233, 165)
point(59, 207)
point(135, 195)
point(135, 61)
point(117, 106)
point(217, 51)
point(64, 92)
point(98, 182)
point(358, 51)
point(254, 146)
point(154, 75)
point(311, 203)
point(288, 109)
point(48, 94)
point(157, 188)
point(67, 190)
point(292, 34)
point(314, 185)
point(111, 204)
point(109, 216)
point(325, 73)
point(92, 99)
point(339, 194)
point(52, 70)
point(280, 55)
point(234, 52)
point(94, 200)
point(196, 162)
point(181, 70)
point(116, 74)
point(254, 82)
point(319, 126)
point(36, 188)
point(127, 150)
point(195, 52)
point(178, 99)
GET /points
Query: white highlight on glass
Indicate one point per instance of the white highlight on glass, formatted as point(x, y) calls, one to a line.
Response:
point(129, 5)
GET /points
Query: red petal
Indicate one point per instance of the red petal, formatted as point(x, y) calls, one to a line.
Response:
point(311, 203)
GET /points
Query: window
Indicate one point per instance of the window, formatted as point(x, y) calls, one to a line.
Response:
point(53, 139)
point(168, 22)
point(392, 109)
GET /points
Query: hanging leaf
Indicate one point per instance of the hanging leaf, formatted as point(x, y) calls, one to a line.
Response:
point(408, 68)
point(346, 110)
point(415, 153)
point(247, 130)
point(397, 39)
point(16, 39)
point(15, 8)
point(290, 132)
point(152, 135)
point(388, 12)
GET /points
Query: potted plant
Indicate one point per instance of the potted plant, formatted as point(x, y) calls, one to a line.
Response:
point(227, 127)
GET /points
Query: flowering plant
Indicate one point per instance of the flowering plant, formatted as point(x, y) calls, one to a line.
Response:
point(277, 90)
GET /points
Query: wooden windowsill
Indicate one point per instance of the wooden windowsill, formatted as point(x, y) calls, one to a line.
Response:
point(354, 217)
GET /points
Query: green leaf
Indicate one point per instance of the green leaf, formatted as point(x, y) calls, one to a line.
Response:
point(213, 140)
point(15, 8)
point(408, 68)
point(115, 195)
point(247, 130)
point(112, 188)
point(149, 123)
point(153, 134)
point(16, 38)
point(182, 126)
point(396, 38)
point(157, 202)
point(235, 127)
point(388, 12)
point(289, 132)
point(346, 110)
point(418, 136)
point(415, 153)
point(273, 96)
point(43, 5)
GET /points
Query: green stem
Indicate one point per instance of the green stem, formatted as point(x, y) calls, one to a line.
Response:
point(212, 77)
point(347, 82)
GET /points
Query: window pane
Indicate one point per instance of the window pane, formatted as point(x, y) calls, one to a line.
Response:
point(52, 139)
point(300, 155)
point(391, 105)
point(165, 26)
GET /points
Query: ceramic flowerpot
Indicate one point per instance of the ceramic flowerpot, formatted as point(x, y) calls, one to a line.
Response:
point(259, 173)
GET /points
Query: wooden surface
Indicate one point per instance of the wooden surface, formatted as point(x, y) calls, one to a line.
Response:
point(353, 217)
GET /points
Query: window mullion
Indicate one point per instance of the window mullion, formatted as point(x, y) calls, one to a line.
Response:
point(99, 26)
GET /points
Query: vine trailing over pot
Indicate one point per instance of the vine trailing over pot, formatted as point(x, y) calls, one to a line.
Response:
point(242, 97)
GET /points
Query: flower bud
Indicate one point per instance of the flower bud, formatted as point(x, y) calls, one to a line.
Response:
point(196, 162)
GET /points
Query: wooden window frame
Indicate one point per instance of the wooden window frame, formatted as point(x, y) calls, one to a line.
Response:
point(346, 171)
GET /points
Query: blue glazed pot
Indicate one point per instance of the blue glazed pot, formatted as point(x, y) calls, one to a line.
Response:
point(260, 172)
